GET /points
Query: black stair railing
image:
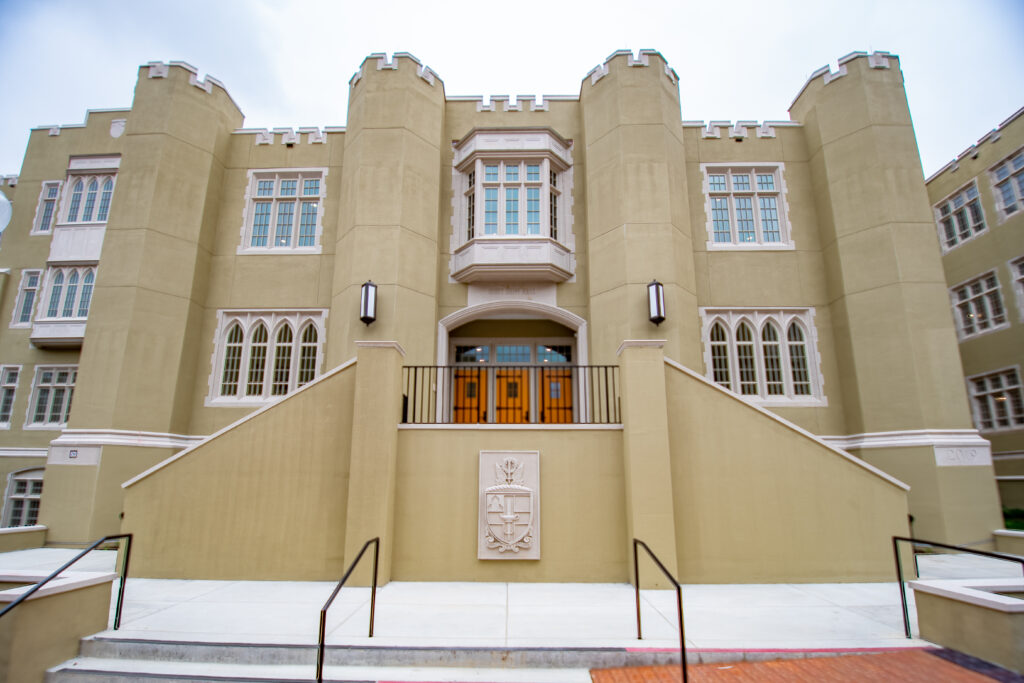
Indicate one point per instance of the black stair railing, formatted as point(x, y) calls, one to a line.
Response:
point(120, 591)
point(679, 599)
point(337, 589)
point(896, 540)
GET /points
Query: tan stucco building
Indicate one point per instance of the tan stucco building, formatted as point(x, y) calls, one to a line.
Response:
point(195, 287)
point(978, 202)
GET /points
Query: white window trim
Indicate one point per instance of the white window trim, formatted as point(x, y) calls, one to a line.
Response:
point(68, 191)
point(757, 318)
point(954, 301)
point(937, 213)
point(45, 426)
point(975, 412)
point(272, 319)
point(245, 233)
point(46, 291)
point(1018, 283)
point(14, 398)
point(29, 474)
point(37, 219)
point(19, 302)
point(785, 242)
point(489, 147)
point(997, 197)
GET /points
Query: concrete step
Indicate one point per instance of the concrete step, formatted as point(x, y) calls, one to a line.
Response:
point(117, 648)
point(101, 670)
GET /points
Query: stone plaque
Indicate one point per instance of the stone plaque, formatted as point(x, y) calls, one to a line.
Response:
point(509, 495)
point(963, 456)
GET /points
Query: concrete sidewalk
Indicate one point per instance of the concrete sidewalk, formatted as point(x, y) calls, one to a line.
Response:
point(748, 617)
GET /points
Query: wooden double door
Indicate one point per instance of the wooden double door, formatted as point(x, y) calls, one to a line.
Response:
point(547, 390)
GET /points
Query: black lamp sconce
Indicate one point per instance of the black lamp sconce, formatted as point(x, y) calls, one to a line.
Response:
point(656, 302)
point(368, 302)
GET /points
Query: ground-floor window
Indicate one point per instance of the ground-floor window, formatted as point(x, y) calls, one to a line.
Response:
point(769, 355)
point(21, 504)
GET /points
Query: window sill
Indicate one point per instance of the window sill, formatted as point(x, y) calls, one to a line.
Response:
point(750, 246)
point(975, 335)
point(46, 426)
point(245, 402)
point(58, 333)
point(504, 258)
point(276, 251)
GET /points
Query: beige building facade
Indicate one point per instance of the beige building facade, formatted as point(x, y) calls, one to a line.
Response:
point(486, 331)
point(978, 203)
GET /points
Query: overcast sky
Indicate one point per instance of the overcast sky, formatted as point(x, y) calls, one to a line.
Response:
point(288, 63)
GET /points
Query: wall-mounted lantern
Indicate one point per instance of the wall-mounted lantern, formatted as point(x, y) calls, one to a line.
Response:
point(656, 302)
point(368, 302)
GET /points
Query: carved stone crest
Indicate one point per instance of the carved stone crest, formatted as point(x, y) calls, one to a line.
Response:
point(509, 505)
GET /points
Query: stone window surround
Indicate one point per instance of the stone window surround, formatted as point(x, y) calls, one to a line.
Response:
point(508, 144)
point(254, 175)
point(23, 288)
point(984, 296)
point(46, 293)
point(937, 212)
point(11, 387)
point(997, 196)
point(66, 400)
point(757, 317)
point(30, 475)
point(975, 396)
point(38, 219)
point(273, 320)
point(778, 168)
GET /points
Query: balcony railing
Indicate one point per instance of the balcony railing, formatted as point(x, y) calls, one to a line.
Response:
point(510, 394)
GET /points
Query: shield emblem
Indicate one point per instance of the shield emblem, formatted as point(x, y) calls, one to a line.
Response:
point(508, 515)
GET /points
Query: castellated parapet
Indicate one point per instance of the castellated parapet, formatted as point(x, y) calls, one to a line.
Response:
point(380, 62)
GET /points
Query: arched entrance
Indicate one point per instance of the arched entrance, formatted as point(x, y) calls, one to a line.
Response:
point(512, 363)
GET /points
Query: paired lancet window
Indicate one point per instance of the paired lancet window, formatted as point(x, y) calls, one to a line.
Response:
point(265, 355)
point(765, 355)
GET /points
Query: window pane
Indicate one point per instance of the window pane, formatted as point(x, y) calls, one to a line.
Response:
point(257, 362)
point(533, 210)
point(261, 224)
point(232, 362)
point(720, 219)
point(772, 361)
point(282, 362)
point(285, 220)
point(511, 210)
point(307, 224)
point(745, 357)
point(741, 182)
point(491, 174)
point(86, 298)
point(720, 356)
point(512, 353)
point(716, 182)
point(108, 192)
point(472, 354)
point(745, 219)
point(76, 200)
point(765, 182)
point(769, 219)
point(288, 187)
point(532, 173)
point(265, 188)
point(311, 187)
point(512, 173)
point(491, 211)
point(307, 355)
point(90, 200)
point(69, 297)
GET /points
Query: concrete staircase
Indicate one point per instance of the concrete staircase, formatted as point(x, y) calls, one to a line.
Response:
point(109, 658)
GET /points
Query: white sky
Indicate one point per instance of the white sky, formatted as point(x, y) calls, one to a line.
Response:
point(288, 63)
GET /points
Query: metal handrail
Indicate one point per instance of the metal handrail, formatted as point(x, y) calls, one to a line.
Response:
point(679, 599)
point(935, 544)
point(337, 589)
point(120, 591)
